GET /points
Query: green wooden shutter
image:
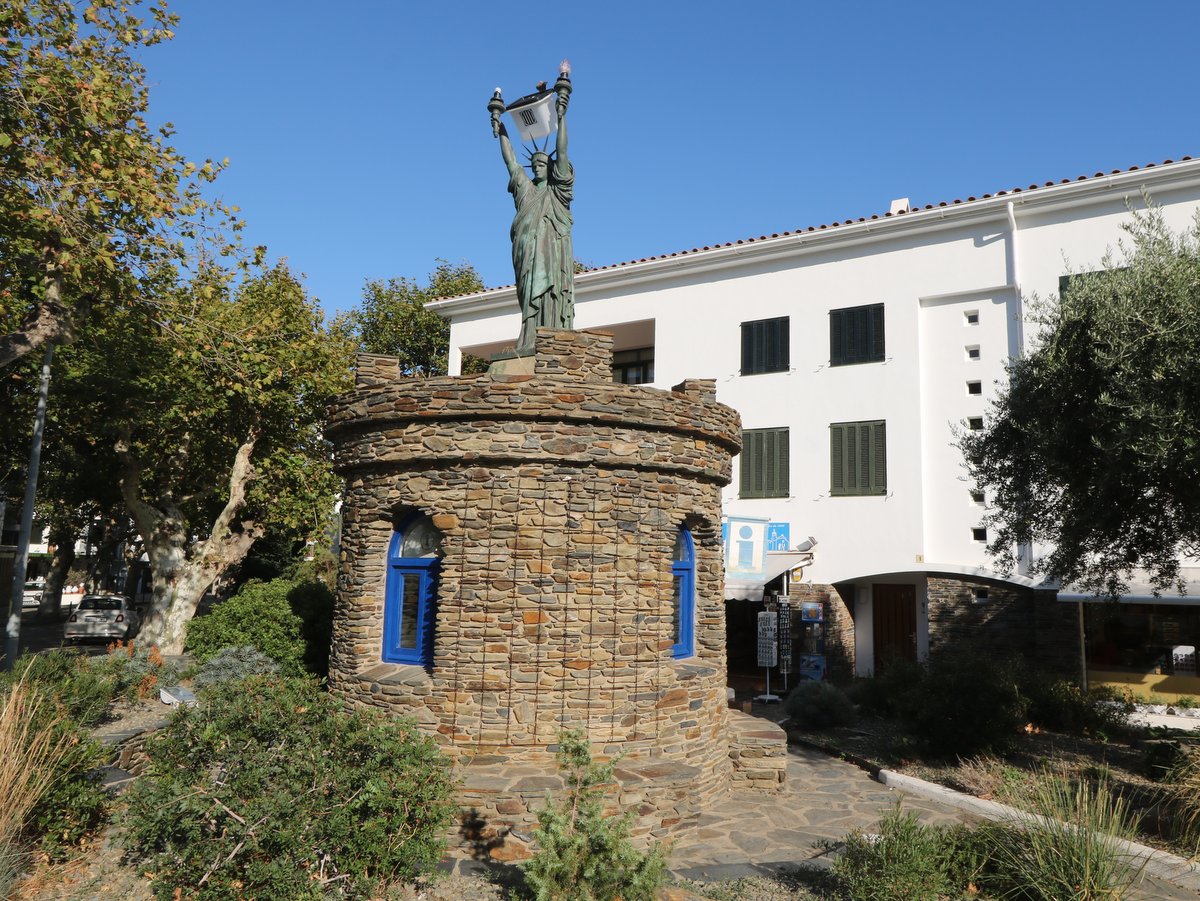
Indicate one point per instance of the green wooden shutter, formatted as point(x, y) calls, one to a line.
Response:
point(777, 345)
point(837, 479)
point(851, 466)
point(875, 348)
point(837, 337)
point(857, 458)
point(778, 468)
point(865, 455)
point(751, 468)
point(879, 457)
point(747, 348)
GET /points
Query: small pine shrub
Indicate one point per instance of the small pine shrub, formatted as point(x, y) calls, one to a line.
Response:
point(818, 705)
point(259, 616)
point(1068, 852)
point(906, 859)
point(270, 788)
point(233, 665)
point(583, 854)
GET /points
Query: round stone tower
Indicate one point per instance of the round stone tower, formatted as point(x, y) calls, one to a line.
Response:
point(567, 574)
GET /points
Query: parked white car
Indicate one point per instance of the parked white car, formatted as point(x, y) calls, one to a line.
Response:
point(102, 616)
point(31, 596)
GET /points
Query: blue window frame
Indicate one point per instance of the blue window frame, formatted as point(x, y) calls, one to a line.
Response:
point(683, 580)
point(410, 597)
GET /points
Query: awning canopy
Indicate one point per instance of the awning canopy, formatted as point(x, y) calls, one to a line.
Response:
point(1142, 592)
point(739, 587)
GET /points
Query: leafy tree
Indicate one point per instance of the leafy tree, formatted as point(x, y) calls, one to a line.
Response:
point(393, 320)
point(92, 197)
point(1094, 444)
point(210, 414)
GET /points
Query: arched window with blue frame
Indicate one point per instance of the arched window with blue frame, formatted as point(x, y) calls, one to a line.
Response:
point(410, 597)
point(683, 580)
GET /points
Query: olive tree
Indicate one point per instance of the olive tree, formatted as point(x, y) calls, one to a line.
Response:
point(1093, 448)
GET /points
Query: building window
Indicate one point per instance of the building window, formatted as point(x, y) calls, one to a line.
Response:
point(633, 367)
point(765, 346)
point(683, 581)
point(764, 463)
point(977, 497)
point(856, 335)
point(971, 317)
point(972, 352)
point(410, 596)
point(975, 423)
point(857, 458)
point(974, 387)
point(981, 596)
point(979, 534)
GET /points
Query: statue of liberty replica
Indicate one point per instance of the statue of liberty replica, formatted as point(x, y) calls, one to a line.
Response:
point(543, 263)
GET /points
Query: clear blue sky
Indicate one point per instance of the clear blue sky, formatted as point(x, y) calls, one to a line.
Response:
point(360, 148)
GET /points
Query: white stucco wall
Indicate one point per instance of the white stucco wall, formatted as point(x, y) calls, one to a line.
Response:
point(928, 269)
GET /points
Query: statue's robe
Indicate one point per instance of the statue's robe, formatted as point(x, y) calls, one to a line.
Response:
point(541, 248)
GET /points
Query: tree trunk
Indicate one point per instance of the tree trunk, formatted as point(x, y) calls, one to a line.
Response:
point(182, 571)
point(62, 536)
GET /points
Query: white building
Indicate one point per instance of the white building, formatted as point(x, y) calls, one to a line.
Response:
point(882, 334)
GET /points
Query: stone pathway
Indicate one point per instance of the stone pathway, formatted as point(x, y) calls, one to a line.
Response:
point(752, 833)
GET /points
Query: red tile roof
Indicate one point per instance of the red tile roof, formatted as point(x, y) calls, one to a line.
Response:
point(831, 225)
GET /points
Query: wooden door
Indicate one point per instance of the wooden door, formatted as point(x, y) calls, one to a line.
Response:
point(895, 623)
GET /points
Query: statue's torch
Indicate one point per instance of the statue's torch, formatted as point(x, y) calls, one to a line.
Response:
point(563, 86)
point(496, 108)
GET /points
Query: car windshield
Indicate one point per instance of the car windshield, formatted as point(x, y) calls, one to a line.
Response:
point(100, 604)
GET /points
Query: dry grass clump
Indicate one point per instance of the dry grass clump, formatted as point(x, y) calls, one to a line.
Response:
point(1182, 788)
point(1071, 850)
point(36, 749)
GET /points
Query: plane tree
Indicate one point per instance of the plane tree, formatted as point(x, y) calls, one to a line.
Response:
point(209, 413)
point(93, 198)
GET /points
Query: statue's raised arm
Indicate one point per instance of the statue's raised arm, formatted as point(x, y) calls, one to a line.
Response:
point(543, 260)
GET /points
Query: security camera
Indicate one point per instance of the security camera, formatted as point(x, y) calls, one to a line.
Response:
point(806, 545)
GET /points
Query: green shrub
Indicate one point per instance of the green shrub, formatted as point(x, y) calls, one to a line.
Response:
point(887, 693)
point(1061, 705)
point(967, 705)
point(818, 705)
point(270, 788)
point(134, 671)
point(583, 854)
point(69, 802)
point(233, 665)
point(82, 693)
point(1068, 853)
point(312, 601)
point(906, 859)
point(47, 762)
point(259, 616)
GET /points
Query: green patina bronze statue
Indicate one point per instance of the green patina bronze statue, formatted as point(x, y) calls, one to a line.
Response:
point(543, 262)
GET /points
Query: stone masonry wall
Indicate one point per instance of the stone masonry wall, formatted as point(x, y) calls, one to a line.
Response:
point(559, 496)
point(839, 627)
point(1012, 620)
